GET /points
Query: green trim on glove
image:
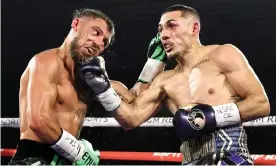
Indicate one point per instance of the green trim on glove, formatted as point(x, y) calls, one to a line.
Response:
point(90, 157)
point(156, 50)
point(142, 81)
point(57, 160)
point(159, 54)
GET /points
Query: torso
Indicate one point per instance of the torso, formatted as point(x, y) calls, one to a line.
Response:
point(206, 84)
point(68, 111)
point(202, 84)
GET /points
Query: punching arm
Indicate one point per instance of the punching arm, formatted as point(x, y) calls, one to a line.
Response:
point(144, 106)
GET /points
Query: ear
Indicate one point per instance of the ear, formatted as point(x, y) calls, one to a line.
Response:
point(75, 23)
point(196, 27)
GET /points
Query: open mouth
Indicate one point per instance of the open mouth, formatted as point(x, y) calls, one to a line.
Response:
point(168, 47)
point(90, 51)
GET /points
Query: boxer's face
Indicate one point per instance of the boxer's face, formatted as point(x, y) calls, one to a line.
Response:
point(176, 33)
point(91, 37)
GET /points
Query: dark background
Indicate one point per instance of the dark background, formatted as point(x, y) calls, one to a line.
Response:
point(31, 26)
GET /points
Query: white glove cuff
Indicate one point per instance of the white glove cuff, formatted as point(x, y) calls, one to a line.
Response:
point(109, 99)
point(151, 69)
point(227, 114)
point(69, 147)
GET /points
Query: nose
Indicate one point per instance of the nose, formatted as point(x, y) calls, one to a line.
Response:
point(99, 41)
point(165, 35)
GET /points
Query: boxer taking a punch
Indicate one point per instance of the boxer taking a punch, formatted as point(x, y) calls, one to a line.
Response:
point(53, 103)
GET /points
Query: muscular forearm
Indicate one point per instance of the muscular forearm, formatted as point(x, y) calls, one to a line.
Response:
point(129, 116)
point(253, 107)
point(47, 130)
point(133, 110)
point(64, 142)
point(126, 117)
point(141, 109)
point(41, 119)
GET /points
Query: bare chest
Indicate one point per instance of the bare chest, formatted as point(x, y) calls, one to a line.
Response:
point(201, 85)
point(68, 98)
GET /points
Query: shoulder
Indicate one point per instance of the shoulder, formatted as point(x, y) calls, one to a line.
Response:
point(163, 76)
point(227, 56)
point(46, 63)
point(224, 49)
point(47, 60)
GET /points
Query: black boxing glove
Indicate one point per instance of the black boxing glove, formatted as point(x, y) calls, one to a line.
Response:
point(93, 74)
point(196, 120)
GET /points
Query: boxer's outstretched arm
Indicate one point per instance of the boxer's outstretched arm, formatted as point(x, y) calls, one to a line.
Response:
point(144, 106)
point(244, 81)
point(139, 87)
point(41, 96)
point(123, 91)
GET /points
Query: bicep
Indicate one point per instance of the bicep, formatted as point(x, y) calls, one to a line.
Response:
point(151, 98)
point(239, 73)
point(139, 87)
point(244, 82)
point(41, 90)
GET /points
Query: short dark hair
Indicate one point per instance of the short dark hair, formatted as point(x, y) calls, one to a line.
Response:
point(183, 9)
point(78, 13)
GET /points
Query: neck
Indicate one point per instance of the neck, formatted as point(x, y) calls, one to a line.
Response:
point(190, 57)
point(65, 54)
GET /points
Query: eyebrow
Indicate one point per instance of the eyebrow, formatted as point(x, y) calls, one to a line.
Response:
point(168, 21)
point(99, 29)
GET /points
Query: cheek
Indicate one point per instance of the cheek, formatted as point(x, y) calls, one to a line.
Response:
point(83, 35)
point(180, 38)
point(82, 39)
point(79, 44)
point(101, 50)
point(99, 43)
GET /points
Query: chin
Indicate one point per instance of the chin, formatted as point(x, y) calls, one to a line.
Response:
point(172, 54)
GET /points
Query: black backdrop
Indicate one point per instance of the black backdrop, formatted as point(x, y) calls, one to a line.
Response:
point(30, 26)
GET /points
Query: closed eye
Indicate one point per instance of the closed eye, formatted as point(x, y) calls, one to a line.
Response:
point(95, 32)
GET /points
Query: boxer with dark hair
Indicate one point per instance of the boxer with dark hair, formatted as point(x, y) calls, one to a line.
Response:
point(211, 91)
point(52, 109)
